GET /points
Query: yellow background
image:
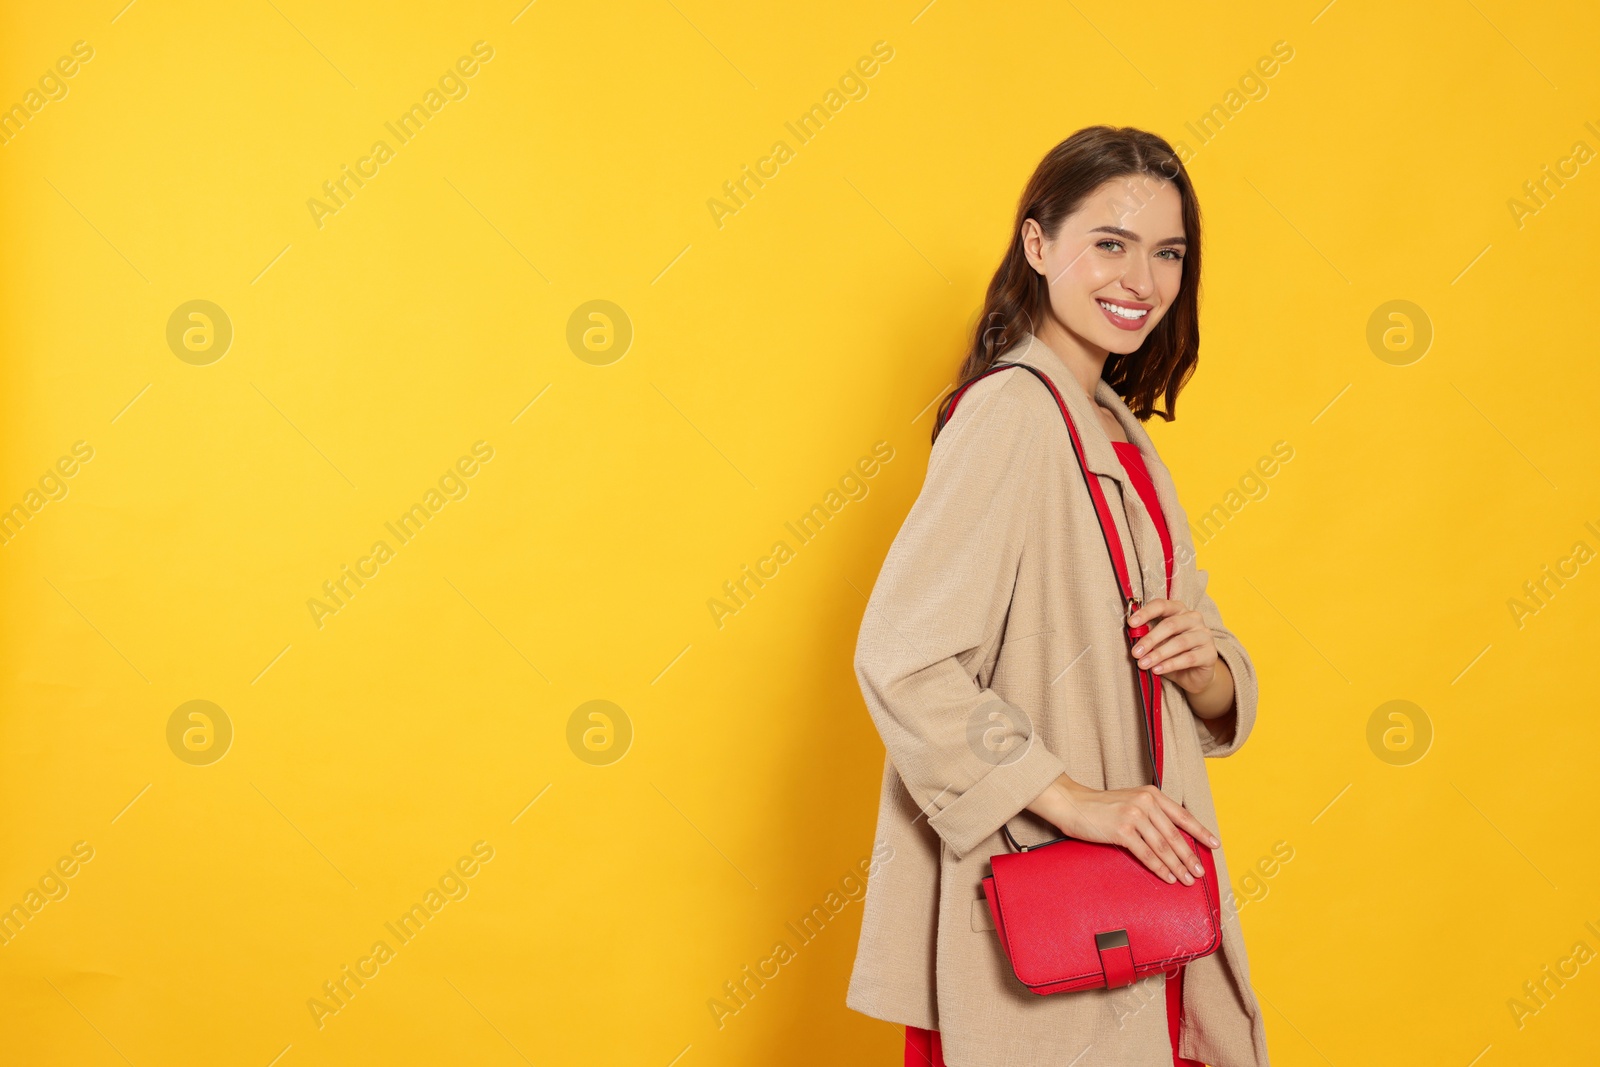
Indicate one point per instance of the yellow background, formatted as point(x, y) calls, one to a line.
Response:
point(768, 355)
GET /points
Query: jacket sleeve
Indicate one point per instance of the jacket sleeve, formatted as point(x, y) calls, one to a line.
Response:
point(1229, 649)
point(938, 609)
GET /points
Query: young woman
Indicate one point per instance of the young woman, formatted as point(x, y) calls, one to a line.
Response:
point(991, 654)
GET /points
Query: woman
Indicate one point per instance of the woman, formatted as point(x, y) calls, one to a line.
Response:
point(991, 656)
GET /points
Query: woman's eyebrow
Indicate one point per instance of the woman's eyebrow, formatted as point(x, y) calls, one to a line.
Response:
point(1130, 235)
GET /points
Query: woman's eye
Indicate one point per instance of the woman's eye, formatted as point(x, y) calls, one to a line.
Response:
point(1109, 241)
point(1176, 256)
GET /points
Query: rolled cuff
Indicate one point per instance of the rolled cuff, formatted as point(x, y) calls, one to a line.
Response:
point(977, 814)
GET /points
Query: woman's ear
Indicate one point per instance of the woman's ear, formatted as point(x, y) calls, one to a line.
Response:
point(1033, 244)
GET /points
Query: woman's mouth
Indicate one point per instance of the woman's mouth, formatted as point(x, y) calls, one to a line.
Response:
point(1124, 316)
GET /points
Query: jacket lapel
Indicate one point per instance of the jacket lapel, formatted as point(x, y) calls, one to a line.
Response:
point(1140, 541)
point(1098, 454)
point(1148, 538)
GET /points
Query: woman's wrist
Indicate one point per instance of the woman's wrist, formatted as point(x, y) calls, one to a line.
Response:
point(1216, 706)
point(1056, 800)
point(1215, 701)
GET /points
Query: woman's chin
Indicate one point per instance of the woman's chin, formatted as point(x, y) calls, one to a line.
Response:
point(1118, 342)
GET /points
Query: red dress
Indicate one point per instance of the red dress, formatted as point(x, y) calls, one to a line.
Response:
point(923, 1048)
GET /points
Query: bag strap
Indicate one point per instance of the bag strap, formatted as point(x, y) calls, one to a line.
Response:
point(1149, 683)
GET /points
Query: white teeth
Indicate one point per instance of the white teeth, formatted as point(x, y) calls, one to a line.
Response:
point(1122, 312)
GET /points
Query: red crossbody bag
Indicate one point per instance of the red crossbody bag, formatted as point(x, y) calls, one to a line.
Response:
point(1074, 914)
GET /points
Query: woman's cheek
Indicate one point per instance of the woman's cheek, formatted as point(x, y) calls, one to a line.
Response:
point(1072, 295)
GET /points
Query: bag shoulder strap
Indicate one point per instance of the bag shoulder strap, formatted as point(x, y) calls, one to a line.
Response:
point(1149, 683)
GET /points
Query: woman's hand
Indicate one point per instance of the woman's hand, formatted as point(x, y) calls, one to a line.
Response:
point(1179, 645)
point(1143, 820)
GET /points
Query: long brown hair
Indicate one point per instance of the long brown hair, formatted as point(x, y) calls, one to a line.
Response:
point(1019, 296)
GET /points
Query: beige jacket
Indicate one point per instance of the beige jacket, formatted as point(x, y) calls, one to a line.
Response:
point(992, 659)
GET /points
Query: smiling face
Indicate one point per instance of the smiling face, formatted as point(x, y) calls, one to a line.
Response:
point(1115, 267)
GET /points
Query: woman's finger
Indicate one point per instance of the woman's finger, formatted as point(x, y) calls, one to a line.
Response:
point(1157, 633)
point(1185, 818)
point(1155, 609)
point(1164, 814)
point(1180, 642)
point(1172, 866)
point(1149, 819)
point(1170, 625)
point(1194, 658)
point(1185, 854)
point(1135, 843)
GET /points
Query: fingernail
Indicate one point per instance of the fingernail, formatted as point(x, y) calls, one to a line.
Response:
point(1215, 842)
point(1199, 869)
